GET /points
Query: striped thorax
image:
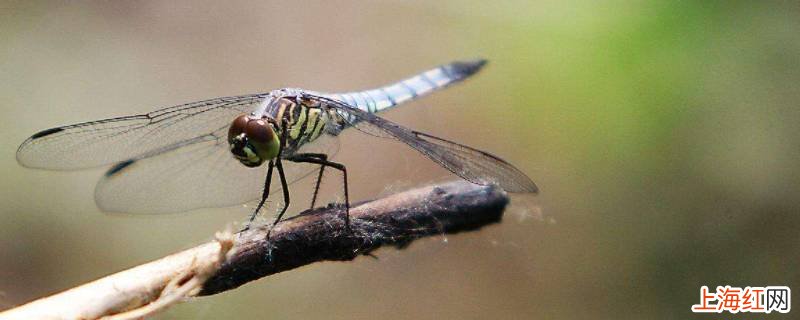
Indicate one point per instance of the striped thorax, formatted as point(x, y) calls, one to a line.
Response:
point(303, 118)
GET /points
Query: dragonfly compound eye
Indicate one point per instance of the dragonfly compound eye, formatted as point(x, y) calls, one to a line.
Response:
point(240, 144)
point(262, 137)
point(237, 127)
point(258, 131)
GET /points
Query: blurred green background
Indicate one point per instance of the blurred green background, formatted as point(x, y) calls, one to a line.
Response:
point(664, 136)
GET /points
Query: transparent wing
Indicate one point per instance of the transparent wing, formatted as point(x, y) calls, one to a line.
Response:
point(102, 142)
point(195, 173)
point(468, 163)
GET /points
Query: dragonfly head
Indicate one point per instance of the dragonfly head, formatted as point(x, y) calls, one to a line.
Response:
point(252, 141)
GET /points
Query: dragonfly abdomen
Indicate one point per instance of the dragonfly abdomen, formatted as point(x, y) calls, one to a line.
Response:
point(383, 98)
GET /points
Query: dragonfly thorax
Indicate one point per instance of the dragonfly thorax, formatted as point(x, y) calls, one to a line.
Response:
point(252, 140)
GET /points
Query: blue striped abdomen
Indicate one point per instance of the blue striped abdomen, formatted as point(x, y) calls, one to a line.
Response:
point(405, 90)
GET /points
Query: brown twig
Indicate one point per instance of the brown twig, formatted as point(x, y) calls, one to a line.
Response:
point(314, 235)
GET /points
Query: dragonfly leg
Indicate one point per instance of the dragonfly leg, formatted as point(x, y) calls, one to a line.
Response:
point(285, 188)
point(279, 165)
point(264, 195)
point(316, 186)
point(323, 161)
point(323, 157)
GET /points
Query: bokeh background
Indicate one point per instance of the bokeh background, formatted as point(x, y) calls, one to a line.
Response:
point(664, 136)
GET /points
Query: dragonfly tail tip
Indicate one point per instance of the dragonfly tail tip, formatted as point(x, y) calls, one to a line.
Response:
point(463, 69)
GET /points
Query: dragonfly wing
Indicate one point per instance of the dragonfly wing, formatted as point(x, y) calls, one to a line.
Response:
point(468, 163)
point(194, 173)
point(102, 142)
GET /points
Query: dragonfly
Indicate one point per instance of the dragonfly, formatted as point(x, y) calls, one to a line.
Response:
point(212, 153)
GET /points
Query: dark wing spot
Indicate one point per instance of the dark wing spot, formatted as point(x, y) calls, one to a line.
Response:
point(46, 133)
point(119, 167)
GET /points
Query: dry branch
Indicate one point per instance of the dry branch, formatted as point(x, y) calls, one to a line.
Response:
point(315, 235)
